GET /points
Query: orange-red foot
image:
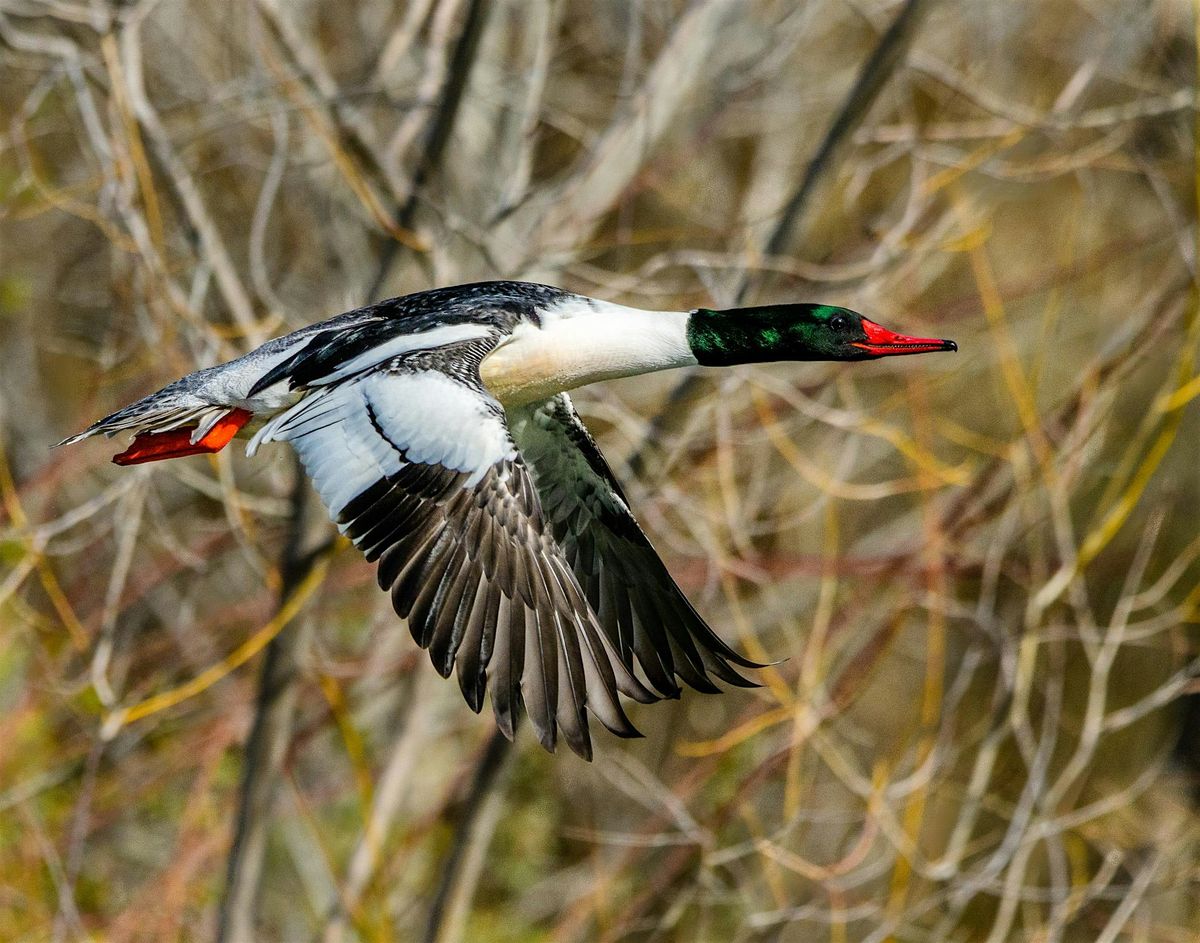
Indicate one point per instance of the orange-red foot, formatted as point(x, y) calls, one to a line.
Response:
point(152, 446)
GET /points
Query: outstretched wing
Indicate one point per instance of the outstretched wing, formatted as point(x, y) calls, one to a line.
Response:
point(643, 611)
point(418, 469)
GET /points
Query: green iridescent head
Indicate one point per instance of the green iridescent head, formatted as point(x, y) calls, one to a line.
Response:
point(796, 332)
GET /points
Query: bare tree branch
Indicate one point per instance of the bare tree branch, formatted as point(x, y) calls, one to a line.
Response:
point(270, 736)
point(872, 78)
point(437, 132)
point(472, 833)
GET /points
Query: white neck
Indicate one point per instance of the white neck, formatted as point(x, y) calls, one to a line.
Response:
point(581, 341)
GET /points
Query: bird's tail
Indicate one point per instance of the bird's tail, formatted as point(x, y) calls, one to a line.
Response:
point(171, 423)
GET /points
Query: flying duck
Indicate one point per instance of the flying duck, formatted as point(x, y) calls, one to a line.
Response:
point(437, 430)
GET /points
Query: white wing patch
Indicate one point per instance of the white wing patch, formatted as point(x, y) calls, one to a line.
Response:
point(351, 435)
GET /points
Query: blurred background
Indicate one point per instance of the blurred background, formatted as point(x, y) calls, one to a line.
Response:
point(979, 574)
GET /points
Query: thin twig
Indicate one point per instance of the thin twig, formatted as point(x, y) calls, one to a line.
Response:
point(392, 787)
point(466, 833)
point(215, 252)
point(437, 133)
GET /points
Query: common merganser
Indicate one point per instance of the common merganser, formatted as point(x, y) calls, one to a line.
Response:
point(437, 431)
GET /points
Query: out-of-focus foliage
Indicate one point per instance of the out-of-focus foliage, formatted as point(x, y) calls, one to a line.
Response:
point(981, 569)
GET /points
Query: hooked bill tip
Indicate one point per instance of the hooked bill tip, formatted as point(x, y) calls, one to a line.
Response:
point(883, 342)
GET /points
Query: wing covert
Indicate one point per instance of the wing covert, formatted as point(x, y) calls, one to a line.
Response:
point(417, 467)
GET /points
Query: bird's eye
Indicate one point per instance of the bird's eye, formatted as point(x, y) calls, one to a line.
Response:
point(840, 322)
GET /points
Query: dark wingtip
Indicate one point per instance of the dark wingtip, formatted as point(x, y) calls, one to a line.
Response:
point(508, 716)
point(472, 692)
point(739, 681)
point(633, 689)
point(624, 728)
point(546, 732)
point(580, 746)
point(743, 662)
point(699, 682)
